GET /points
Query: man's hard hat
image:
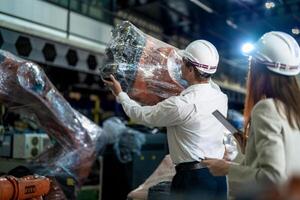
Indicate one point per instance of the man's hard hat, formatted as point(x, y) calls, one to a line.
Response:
point(279, 52)
point(203, 55)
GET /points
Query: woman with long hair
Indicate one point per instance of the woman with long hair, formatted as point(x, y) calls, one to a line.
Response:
point(272, 115)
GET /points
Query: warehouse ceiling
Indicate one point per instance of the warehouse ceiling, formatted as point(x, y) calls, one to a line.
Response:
point(226, 23)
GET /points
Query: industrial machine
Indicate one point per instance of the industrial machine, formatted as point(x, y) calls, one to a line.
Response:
point(29, 145)
point(6, 141)
point(147, 68)
point(29, 187)
point(25, 85)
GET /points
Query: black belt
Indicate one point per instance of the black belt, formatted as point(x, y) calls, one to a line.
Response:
point(189, 166)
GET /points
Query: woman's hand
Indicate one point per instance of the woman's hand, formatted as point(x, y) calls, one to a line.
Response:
point(114, 85)
point(218, 167)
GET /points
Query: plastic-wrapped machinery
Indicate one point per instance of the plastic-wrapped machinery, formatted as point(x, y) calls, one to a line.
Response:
point(24, 85)
point(148, 69)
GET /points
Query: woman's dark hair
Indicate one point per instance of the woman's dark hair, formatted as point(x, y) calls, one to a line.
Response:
point(263, 83)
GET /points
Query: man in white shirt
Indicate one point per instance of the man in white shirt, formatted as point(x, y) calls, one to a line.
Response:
point(192, 131)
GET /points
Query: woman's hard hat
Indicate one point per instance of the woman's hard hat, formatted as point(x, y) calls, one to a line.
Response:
point(279, 52)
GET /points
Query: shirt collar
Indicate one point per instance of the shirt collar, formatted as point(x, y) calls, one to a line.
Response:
point(195, 87)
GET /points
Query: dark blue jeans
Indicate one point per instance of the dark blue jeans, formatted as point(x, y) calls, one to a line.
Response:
point(198, 184)
point(161, 191)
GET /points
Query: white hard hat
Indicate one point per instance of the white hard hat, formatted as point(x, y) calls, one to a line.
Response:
point(203, 55)
point(279, 52)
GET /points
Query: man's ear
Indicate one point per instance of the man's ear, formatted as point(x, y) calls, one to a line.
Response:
point(191, 72)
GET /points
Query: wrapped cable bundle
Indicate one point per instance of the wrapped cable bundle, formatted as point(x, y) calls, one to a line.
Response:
point(148, 69)
point(24, 85)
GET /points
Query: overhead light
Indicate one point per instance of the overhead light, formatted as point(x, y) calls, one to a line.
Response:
point(203, 6)
point(247, 47)
point(295, 31)
point(269, 4)
point(143, 1)
point(231, 24)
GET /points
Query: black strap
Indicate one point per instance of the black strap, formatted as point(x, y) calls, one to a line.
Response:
point(189, 166)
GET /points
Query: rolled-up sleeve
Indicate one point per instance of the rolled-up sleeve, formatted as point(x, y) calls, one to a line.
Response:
point(165, 113)
point(270, 160)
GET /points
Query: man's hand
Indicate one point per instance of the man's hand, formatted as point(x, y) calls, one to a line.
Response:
point(113, 85)
point(218, 167)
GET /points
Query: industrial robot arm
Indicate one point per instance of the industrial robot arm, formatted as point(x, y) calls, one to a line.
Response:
point(29, 187)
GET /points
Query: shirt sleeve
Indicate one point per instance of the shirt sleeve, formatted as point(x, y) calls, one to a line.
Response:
point(270, 167)
point(162, 114)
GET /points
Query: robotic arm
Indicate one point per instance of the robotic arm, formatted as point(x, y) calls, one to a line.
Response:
point(29, 187)
point(24, 85)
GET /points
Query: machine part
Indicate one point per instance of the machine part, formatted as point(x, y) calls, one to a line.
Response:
point(148, 69)
point(29, 145)
point(6, 145)
point(23, 188)
point(25, 87)
point(55, 192)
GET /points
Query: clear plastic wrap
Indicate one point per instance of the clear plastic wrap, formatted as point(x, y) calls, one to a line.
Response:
point(55, 193)
point(148, 69)
point(126, 141)
point(129, 143)
point(163, 173)
point(230, 146)
point(24, 85)
point(115, 127)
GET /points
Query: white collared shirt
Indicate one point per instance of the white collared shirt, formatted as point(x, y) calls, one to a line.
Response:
point(193, 132)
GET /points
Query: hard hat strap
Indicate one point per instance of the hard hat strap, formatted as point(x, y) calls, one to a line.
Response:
point(198, 65)
point(276, 65)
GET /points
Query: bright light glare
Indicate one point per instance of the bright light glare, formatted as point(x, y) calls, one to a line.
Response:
point(269, 4)
point(247, 47)
point(296, 31)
